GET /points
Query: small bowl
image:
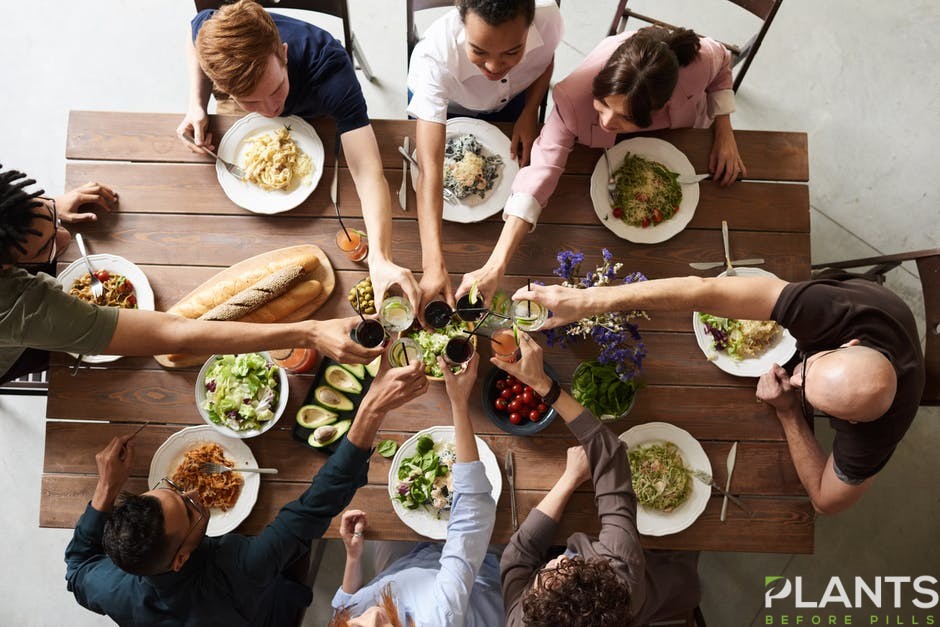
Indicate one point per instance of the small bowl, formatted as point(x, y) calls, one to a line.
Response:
point(283, 393)
point(501, 418)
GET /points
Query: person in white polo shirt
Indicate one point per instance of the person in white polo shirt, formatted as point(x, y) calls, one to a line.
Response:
point(485, 59)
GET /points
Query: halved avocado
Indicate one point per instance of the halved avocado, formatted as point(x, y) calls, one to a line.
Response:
point(373, 367)
point(342, 380)
point(313, 416)
point(326, 435)
point(358, 370)
point(332, 399)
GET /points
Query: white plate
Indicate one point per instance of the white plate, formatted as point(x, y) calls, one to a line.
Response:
point(651, 522)
point(494, 142)
point(654, 150)
point(170, 454)
point(248, 195)
point(115, 265)
point(422, 520)
point(779, 352)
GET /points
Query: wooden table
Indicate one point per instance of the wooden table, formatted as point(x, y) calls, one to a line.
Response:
point(176, 223)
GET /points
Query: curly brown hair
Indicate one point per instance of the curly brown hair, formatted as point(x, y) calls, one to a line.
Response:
point(577, 593)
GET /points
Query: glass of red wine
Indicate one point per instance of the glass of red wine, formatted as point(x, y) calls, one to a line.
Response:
point(438, 314)
point(458, 351)
point(369, 333)
point(470, 311)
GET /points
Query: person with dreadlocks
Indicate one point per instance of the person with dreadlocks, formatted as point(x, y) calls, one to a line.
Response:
point(37, 315)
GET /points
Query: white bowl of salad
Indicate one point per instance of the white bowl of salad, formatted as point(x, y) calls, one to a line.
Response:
point(241, 396)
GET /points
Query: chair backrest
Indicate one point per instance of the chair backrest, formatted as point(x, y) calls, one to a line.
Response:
point(412, 7)
point(336, 8)
point(765, 10)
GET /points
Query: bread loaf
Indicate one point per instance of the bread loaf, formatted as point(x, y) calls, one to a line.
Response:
point(256, 296)
point(283, 306)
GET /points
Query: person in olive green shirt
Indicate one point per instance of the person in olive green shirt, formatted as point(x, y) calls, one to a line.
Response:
point(37, 316)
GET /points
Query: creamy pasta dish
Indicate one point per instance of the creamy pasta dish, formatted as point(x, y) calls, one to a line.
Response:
point(273, 161)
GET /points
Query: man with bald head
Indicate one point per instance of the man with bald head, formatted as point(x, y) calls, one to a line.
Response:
point(860, 362)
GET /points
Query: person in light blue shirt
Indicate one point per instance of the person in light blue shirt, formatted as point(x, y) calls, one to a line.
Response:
point(453, 584)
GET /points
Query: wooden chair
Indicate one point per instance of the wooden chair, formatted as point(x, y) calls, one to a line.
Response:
point(336, 8)
point(35, 384)
point(413, 6)
point(928, 266)
point(766, 10)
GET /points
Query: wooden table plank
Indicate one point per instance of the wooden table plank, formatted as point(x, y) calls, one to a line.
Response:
point(221, 241)
point(112, 136)
point(780, 525)
point(156, 188)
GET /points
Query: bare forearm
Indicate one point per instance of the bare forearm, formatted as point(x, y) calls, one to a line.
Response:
point(352, 575)
point(104, 496)
point(466, 442)
point(365, 166)
point(554, 503)
point(514, 230)
point(368, 420)
point(430, 139)
point(722, 125)
point(566, 406)
point(200, 87)
point(808, 458)
point(537, 90)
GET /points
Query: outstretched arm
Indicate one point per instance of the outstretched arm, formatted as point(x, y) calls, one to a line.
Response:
point(430, 139)
point(196, 121)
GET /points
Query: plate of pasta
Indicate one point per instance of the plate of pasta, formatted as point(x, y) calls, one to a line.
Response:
point(478, 170)
point(664, 460)
point(125, 286)
point(230, 496)
point(650, 206)
point(282, 159)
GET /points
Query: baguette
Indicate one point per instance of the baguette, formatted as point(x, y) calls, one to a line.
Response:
point(256, 296)
point(230, 282)
point(285, 305)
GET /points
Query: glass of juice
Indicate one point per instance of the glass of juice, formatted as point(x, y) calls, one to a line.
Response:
point(470, 311)
point(403, 352)
point(396, 314)
point(505, 346)
point(295, 360)
point(353, 244)
point(369, 333)
point(529, 315)
point(458, 351)
point(438, 314)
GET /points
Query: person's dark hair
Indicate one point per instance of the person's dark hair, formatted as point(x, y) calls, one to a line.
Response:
point(135, 536)
point(16, 213)
point(496, 12)
point(578, 593)
point(645, 69)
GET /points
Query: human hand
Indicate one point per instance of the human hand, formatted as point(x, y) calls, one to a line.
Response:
point(393, 387)
point(90, 193)
point(524, 132)
point(331, 338)
point(577, 469)
point(196, 125)
point(487, 281)
point(460, 385)
point(352, 528)
point(114, 464)
point(567, 304)
point(435, 283)
point(385, 274)
point(774, 389)
point(725, 162)
point(530, 368)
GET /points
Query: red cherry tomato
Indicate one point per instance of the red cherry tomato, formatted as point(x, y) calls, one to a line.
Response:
point(515, 417)
point(500, 384)
point(132, 300)
point(657, 216)
point(642, 197)
point(528, 399)
point(534, 415)
point(542, 408)
point(515, 405)
point(506, 394)
point(517, 388)
point(103, 275)
point(500, 403)
point(645, 223)
point(618, 212)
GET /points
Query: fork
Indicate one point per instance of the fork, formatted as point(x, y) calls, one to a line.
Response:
point(97, 287)
point(213, 468)
point(233, 169)
point(449, 196)
point(611, 184)
point(724, 240)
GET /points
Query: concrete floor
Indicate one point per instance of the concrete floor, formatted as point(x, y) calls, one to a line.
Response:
point(855, 75)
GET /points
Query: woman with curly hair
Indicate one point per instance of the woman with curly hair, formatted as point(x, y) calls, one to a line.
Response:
point(607, 581)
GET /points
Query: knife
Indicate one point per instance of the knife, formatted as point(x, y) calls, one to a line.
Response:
point(403, 191)
point(510, 475)
point(708, 265)
point(724, 241)
point(724, 502)
point(692, 179)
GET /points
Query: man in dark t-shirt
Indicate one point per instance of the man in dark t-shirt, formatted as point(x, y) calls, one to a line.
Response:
point(861, 362)
point(276, 65)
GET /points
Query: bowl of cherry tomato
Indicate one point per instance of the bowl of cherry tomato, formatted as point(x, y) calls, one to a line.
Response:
point(513, 406)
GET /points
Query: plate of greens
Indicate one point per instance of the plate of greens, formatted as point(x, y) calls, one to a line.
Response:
point(651, 205)
point(663, 458)
point(420, 483)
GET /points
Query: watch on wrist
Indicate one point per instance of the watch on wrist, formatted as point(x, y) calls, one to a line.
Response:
point(553, 393)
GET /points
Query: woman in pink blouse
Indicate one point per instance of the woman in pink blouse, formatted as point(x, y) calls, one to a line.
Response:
point(646, 80)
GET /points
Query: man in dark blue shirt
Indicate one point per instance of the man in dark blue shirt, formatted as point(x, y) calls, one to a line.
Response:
point(276, 65)
point(171, 574)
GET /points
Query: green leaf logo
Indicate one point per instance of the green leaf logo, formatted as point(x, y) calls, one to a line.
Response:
point(771, 579)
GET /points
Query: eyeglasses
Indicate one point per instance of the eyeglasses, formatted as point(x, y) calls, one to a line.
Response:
point(167, 484)
point(807, 409)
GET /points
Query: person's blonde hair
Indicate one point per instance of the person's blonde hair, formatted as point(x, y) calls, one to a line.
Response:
point(341, 616)
point(234, 44)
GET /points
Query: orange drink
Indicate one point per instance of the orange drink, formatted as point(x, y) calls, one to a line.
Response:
point(353, 244)
point(504, 344)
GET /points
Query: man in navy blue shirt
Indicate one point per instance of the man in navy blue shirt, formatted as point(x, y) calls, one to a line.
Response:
point(276, 65)
point(148, 562)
